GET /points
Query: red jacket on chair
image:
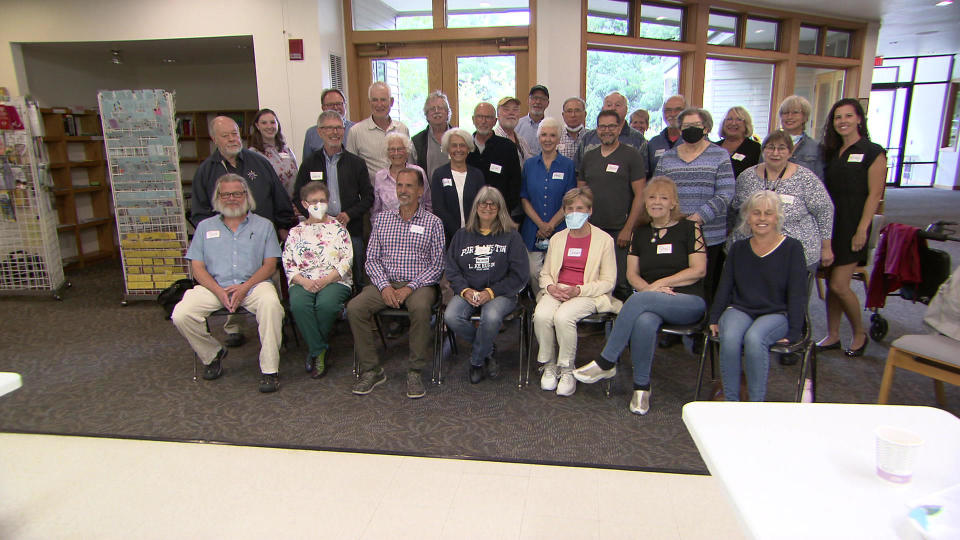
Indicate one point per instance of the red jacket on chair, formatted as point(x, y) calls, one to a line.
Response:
point(896, 262)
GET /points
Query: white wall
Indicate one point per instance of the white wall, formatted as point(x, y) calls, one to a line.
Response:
point(290, 88)
point(558, 52)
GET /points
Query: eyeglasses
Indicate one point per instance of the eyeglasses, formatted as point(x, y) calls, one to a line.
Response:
point(487, 204)
point(331, 128)
point(436, 109)
point(697, 125)
point(734, 120)
point(539, 98)
point(772, 149)
point(233, 194)
point(607, 127)
point(671, 110)
point(333, 104)
point(400, 150)
point(484, 117)
point(784, 113)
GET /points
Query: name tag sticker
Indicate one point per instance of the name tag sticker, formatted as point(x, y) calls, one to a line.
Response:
point(558, 176)
point(284, 155)
point(213, 234)
point(417, 229)
point(446, 182)
point(659, 152)
point(316, 175)
point(664, 249)
point(494, 168)
point(574, 252)
point(855, 158)
point(738, 156)
point(786, 199)
point(613, 167)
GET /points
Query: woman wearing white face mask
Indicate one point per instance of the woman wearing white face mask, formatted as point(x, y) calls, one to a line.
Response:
point(317, 259)
point(577, 279)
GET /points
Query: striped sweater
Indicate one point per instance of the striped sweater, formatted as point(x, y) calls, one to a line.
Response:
point(705, 186)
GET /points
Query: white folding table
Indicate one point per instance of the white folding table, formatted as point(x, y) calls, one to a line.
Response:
point(808, 470)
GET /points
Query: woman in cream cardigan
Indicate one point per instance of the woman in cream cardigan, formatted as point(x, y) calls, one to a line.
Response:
point(577, 279)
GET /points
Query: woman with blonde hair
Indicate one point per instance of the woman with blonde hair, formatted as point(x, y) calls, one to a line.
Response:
point(487, 267)
point(736, 133)
point(665, 267)
point(577, 280)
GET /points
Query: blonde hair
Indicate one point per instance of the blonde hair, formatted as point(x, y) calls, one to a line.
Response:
point(658, 184)
point(757, 199)
point(584, 193)
point(743, 115)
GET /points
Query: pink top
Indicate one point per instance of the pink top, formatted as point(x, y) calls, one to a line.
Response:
point(574, 260)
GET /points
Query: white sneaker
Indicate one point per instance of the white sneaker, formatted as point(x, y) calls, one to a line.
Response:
point(592, 373)
point(640, 403)
point(548, 381)
point(568, 385)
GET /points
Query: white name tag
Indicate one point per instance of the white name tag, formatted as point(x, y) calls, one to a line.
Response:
point(446, 182)
point(613, 167)
point(558, 176)
point(574, 252)
point(417, 229)
point(855, 158)
point(664, 249)
point(738, 156)
point(786, 199)
point(659, 152)
point(494, 168)
point(213, 234)
point(316, 175)
point(284, 155)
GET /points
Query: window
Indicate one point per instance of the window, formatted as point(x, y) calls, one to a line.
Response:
point(809, 38)
point(392, 14)
point(894, 70)
point(483, 78)
point(471, 14)
point(747, 84)
point(761, 34)
point(837, 44)
point(608, 17)
point(646, 80)
point(722, 29)
point(661, 22)
point(933, 68)
point(407, 79)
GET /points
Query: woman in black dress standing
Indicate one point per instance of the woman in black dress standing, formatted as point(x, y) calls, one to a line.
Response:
point(855, 172)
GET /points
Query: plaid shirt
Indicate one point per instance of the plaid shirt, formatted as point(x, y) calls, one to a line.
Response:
point(568, 145)
point(410, 251)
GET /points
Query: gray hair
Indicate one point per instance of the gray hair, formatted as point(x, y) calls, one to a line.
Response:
point(676, 96)
point(462, 133)
point(407, 143)
point(760, 198)
point(549, 122)
point(437, 94)
point(328, 115)
point(379, 84)
point(705, 117)
point(796, 102)
point(569, 99)
point(745, 116)
point(231, 177)
point(502, 223)
point(214, 121)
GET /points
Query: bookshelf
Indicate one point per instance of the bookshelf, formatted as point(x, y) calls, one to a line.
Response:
point(85, 224)
point(195, 142)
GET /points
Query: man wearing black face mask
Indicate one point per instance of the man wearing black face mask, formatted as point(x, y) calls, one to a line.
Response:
point(705, 184)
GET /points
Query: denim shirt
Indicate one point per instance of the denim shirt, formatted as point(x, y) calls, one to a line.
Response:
point(233, 257)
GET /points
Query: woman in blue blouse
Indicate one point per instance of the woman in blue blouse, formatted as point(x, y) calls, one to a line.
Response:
point(546, 178)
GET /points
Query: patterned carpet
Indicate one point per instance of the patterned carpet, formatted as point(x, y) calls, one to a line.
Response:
point(93, 367)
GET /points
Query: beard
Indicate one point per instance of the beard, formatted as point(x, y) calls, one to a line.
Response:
point(484, 132)
point(508, 124)
point(231, 211)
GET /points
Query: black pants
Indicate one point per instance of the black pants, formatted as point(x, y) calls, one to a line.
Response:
point(715, 258)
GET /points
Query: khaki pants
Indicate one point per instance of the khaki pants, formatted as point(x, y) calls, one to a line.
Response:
point(190, 317)
point(555, 321)
point(362, 308)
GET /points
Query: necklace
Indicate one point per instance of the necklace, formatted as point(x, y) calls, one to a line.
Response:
point(779, 177)
point(656, 231)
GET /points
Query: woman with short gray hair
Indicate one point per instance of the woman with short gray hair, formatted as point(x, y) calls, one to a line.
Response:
point(794, 114)
point(399, 150)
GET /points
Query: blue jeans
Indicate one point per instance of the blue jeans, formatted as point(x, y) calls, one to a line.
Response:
point(639, 321)
point(740, 333)
point(457, 316)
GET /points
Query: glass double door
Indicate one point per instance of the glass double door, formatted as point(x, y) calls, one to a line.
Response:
point(906, 119)
point(467, 72)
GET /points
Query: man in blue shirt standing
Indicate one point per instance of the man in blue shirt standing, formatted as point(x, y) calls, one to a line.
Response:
point(233, 255)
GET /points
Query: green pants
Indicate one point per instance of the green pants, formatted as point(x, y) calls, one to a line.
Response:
point(315, 313)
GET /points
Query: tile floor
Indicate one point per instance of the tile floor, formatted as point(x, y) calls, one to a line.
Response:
point(76, 487)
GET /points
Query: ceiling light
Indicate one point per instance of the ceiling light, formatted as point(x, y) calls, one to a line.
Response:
point(169, 61)
point(484, 4)
point(115, 57)
point(944, 3)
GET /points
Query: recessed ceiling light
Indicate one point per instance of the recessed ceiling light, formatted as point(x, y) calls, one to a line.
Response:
point(169, 61)
point(484, 4)
point(944, 3)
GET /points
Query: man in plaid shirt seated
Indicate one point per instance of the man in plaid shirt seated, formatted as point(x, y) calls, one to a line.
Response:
point(404, 261)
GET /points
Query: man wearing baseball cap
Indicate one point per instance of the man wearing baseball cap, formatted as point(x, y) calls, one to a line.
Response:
point(508, 114)
point(537, 103)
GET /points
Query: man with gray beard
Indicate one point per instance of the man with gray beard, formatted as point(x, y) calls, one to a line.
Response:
point(232, 256)
point(497, 157)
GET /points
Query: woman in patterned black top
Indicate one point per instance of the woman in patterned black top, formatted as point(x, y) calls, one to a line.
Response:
point(666, 265)
point(855, 172)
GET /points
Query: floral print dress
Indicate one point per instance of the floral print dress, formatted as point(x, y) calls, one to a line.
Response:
point(316, 249)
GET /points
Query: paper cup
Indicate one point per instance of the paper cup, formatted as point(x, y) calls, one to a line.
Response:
point(896, 452)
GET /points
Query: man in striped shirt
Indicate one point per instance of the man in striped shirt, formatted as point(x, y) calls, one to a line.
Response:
point(404, 260)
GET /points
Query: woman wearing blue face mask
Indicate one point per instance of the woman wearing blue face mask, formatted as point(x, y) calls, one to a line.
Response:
point(577, 279)
point(665, 267)
point(317, 260)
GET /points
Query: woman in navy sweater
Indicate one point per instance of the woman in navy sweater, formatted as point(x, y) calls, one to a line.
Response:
point(487, 266)
point(761, 296)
